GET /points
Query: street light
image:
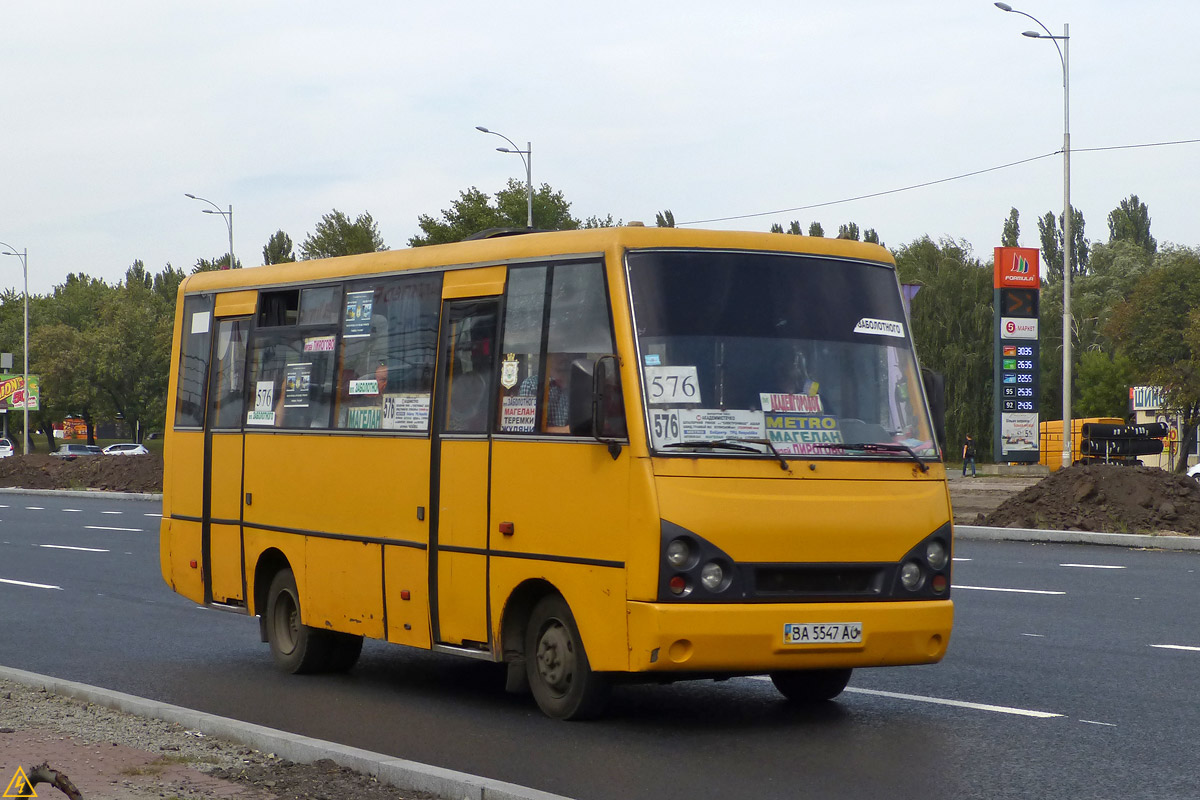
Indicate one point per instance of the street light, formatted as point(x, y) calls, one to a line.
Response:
point(527, 158)
point(228, 215)
point(1064, 55)
point(24, 256)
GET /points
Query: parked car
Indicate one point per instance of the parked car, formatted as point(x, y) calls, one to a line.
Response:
point(6, 448)
point(1194, 472)
point(125, 449)
point(76, 450)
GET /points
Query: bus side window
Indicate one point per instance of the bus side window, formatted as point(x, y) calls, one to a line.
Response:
point(195, 343)
point(578, 332)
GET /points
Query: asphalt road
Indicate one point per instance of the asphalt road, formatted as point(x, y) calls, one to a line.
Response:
point(1073, 672)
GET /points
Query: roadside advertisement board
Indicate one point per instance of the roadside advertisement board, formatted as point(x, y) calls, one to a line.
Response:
point(12, 392)
point(1015, 357)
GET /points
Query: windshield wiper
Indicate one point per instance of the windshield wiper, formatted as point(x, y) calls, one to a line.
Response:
point(881, 447)
point(735, 444)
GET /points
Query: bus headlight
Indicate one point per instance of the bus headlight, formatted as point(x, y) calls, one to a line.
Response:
point(911, 576)
point(935, 554)
point(679, 554)
point(713, 577)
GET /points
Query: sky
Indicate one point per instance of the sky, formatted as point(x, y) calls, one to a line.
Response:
point(111, 112)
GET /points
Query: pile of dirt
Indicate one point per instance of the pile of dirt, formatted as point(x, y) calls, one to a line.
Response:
point(1104, 498)
point(111, 473)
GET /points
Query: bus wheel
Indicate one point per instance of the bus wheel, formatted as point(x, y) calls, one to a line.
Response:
point(811, 685)
point(562, 683)
point(296, 647)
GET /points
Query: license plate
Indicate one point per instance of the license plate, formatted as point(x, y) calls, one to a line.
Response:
point(823, 633)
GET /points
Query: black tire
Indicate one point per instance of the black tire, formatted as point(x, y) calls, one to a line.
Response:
point(344, 653)
point(811, 685)
point(560, 678)
point(296, 647)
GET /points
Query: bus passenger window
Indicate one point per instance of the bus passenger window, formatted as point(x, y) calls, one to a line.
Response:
point(195, 342)
point(388, 350)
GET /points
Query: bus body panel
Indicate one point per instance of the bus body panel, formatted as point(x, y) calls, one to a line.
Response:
point(462, 525)
point(595, 594)
point(564, 499)
point(178, 550)
point(344, 586)
point(806, 520)
point(406, 591)
point(749, 637)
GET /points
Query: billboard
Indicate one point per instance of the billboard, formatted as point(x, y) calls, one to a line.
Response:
point(1016, 369)
point(12, 392)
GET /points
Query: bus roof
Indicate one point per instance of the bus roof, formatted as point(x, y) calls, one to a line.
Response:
point(526, 246)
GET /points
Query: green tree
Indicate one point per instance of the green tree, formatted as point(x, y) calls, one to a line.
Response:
point(1130, 222)
point(476, 211)
point(1012, 230)
point(815, 229)
point(664, 219)
point(848, 231)
point(1104, 383)
point(872, 236)
point(214, 264)
point(1052, 235)
point(336, 235)
point(1158, 328)
point(952, 327)
point(278, 249)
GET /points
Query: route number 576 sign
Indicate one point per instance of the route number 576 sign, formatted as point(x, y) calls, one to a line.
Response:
point(672, 385)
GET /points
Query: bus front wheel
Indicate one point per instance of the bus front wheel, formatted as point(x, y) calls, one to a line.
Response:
point(560, 678)
point(811, 685)
point(296, 647)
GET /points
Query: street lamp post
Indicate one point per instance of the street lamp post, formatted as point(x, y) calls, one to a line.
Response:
point(24, 256)
point(526, 157)
point(1064, 55)
point(228, 215)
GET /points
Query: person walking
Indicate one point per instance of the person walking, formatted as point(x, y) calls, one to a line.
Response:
point(968, 455)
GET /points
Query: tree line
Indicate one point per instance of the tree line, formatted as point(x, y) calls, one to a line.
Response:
point(103, 350)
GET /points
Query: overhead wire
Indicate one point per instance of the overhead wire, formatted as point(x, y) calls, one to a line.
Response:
point(931, 183)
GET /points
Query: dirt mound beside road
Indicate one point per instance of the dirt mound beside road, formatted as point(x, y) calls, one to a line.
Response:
point(110, 473)
point(1103, 498)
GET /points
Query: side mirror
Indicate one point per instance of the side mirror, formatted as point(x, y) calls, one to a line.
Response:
point(935, 394)
point(608, 404)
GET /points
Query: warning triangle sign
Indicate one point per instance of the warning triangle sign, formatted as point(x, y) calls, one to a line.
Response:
point(20, 786)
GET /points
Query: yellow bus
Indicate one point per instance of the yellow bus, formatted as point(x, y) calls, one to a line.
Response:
point(592, 456)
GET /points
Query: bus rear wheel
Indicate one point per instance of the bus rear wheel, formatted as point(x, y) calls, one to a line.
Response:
point(811, 685)
point(560, 678)
point(296, 647)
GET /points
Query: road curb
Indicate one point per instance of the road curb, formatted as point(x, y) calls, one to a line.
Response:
point(106, 494)
point(398, 772)
point(1151, 541)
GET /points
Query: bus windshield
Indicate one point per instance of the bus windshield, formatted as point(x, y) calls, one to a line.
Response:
point(776, 354)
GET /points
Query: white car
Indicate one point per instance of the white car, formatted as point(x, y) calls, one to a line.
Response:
point(126, 450)
point(1194, 472)
point(6, 448)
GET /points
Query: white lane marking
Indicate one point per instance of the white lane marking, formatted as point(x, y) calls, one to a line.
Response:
point(76, 510)
point(1021, 712)
point(995, 589)
point(151, 515)
point(1177, 647)
point(1038, 635)
point(68, 547)
point(112, 512)
point(956, 558)
point(1092, 566)
point(104, 528)
point(1093, 722)
point(34, 508)
point(33, 585)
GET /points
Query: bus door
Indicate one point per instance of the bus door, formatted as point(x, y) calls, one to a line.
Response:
point(221, 535)
point(458, 551)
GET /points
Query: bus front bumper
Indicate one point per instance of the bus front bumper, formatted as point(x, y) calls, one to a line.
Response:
point(749, 638)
